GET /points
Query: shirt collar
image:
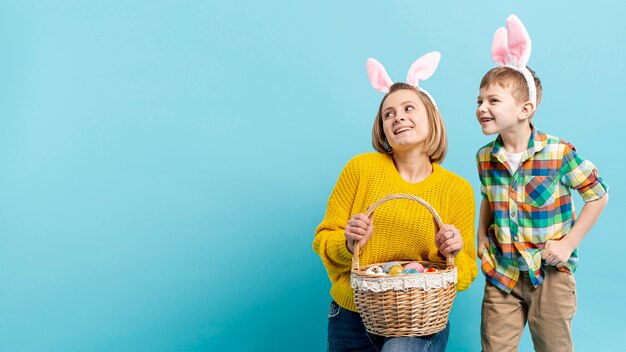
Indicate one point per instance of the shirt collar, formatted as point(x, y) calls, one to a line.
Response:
point(537, 142)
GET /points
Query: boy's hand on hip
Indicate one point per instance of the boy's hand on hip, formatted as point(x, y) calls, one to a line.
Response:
point(556, 253)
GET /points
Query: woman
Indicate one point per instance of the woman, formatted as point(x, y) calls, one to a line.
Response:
point(410, 140)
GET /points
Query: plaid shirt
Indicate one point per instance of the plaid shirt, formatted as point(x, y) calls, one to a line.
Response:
point(532, 204)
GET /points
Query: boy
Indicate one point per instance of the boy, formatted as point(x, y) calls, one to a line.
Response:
point(527, 232)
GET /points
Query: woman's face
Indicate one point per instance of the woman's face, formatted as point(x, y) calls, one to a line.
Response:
point(405, 120)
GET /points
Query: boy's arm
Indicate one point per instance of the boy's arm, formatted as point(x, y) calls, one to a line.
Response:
point(581, 175)
point(557, 253)
point(485, 219)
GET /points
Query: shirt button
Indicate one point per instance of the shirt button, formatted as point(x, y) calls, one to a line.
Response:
point(512, 214)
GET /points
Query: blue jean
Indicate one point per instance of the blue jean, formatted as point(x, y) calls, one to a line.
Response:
point(346, 332)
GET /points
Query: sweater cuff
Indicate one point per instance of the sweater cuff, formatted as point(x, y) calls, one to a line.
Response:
point(341, 252)
point(469, 272)
point(434, 255)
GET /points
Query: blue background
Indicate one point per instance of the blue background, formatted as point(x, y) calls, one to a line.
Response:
point(164, 164)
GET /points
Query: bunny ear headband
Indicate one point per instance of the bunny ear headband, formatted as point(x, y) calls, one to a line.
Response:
point(511, 48)
point(421, 70)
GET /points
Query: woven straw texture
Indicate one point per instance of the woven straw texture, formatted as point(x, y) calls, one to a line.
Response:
point(409, 312)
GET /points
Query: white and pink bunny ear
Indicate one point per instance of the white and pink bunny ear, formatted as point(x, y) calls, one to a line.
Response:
point(423, 68)
point(511, 47)
point(519, 41)
point(500, 47)
point(378, 76)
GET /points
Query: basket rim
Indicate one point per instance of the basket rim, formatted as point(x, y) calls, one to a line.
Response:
point(442, 267)
point(381, 283)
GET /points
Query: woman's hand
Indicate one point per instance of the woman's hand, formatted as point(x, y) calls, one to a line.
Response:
point(358, 229)
point(448, 240)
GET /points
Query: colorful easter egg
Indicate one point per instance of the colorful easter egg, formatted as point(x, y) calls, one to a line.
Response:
point(388, 265)
point(415, 265)
point(431, 270)
point(375, 270)
point(395, 270)
point(410, 271)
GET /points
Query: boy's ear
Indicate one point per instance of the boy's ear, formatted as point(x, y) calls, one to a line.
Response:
point(528, 108)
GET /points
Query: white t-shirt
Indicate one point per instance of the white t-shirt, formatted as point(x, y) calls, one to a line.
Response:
point(513, 159)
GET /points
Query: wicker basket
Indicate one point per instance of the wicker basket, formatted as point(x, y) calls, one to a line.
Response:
point(405, 304)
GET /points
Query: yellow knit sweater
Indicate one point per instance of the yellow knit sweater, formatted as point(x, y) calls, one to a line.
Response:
point(403, 229)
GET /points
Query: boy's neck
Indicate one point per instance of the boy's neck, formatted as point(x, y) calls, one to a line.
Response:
point(516, 141)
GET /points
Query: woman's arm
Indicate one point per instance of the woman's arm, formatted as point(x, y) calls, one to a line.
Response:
point(330, 238)
point(461, 215)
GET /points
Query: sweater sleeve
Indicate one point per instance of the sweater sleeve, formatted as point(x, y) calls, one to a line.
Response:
point(462, 215)
point(330, 241)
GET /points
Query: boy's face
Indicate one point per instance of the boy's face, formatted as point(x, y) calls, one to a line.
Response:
point(498, 111)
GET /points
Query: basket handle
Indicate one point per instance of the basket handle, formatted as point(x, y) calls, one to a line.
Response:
point(370, 210)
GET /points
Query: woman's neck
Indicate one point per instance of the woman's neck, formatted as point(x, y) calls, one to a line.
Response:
point(413, 167)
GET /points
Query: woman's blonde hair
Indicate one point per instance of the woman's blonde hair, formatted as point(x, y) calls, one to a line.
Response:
point(436, 143)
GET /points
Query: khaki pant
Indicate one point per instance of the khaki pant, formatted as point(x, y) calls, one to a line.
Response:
point(549, 310)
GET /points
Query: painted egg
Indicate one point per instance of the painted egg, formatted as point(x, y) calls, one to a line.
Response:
point(416, 266)
point(395, 270)
point(375, 270)
point(410, 271)
point(388, 265)
point(431, 270)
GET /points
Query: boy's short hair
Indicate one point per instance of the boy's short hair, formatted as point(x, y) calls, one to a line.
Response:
point(508, 77)
point(437, 141)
